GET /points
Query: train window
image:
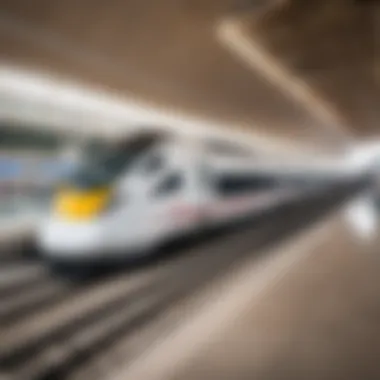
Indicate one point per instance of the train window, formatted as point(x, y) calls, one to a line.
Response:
point(241, 184)
point(103, 163)
point(169, 185)
point(227, 149)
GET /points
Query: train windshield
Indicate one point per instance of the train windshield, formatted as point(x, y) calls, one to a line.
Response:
point(103, 163)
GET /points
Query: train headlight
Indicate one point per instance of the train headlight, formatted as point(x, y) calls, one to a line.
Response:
point(81, 205)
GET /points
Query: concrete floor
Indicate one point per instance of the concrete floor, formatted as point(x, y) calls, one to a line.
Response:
point(321, 320)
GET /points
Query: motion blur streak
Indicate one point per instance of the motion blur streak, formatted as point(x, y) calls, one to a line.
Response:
point(189, 190)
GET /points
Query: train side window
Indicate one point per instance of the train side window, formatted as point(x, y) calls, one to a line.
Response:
point(169, 185)
point(234, 185)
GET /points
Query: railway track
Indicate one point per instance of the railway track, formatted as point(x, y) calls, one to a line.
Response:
point(56, 328)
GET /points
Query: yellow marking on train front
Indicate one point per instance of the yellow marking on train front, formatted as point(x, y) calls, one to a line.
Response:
point(77, 205)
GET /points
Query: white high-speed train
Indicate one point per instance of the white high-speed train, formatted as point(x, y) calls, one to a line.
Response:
point(127, 197)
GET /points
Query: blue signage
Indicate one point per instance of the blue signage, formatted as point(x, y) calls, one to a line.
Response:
point(10, 169)
point(19, 169)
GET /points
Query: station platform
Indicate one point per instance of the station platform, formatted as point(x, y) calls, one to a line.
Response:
point(311, 313)
point(18, 215)
point(319, 321)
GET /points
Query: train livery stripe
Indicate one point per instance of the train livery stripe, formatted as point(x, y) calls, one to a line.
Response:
point(239, 204)
point(230, 207)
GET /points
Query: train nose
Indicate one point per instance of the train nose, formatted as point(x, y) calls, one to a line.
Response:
point(57, 237)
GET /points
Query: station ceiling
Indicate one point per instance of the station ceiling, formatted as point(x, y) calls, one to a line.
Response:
point(168, 52)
